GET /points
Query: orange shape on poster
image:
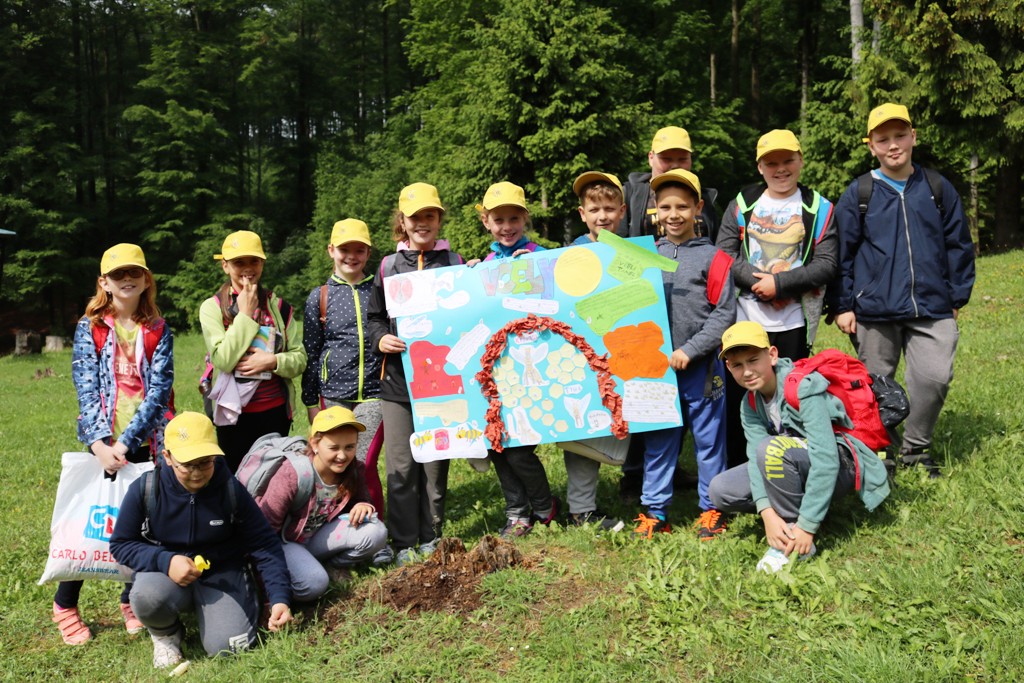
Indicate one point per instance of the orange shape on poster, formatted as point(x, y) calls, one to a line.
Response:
point(428, 376)
point(635, 351)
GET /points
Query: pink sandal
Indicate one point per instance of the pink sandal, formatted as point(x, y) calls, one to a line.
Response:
point(131, 622)
point(72, 629)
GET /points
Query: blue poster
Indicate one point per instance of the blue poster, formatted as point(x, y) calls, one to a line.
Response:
point(553, 346)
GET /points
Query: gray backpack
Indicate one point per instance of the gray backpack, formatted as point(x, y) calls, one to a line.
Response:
point(265, 458)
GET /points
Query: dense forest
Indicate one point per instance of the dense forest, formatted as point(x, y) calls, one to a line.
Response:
point(169, 123)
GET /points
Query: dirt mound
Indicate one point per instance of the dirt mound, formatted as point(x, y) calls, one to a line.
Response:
point(448, 581)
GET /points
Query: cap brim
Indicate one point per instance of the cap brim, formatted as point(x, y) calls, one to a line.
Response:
point(130, 264)
point(200, 450)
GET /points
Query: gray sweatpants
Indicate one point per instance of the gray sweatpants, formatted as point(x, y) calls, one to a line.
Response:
point(224, 601)
point(581, 482)
point(929, 347)
point(730, 490)
point(337, 543)
point(416, 492)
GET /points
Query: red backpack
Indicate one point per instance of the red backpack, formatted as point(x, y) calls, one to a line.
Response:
point(850, 382)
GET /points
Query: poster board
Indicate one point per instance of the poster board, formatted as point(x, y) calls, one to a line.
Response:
point(552, 346)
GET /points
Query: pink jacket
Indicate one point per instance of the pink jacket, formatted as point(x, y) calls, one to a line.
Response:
point(277, 499)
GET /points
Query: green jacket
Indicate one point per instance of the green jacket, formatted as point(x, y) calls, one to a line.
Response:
point(818, 411)
point(226, 346)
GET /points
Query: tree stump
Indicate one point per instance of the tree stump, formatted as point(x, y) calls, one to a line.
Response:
point(55, 343)
point(26, 342)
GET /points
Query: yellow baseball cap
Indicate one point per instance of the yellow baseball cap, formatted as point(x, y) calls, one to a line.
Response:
point(672, 137)
point(587, 177)
point(122, 255)
point(239, 244)
point(334, 417)
point(887, 112)
point(744, 333)
point(417, 197)
point(677, 175)
point(190, 436)
point(350, 230)
point(503, 194)
point(775, 140)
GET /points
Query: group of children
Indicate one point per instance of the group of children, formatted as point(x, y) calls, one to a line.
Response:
point(749, 305)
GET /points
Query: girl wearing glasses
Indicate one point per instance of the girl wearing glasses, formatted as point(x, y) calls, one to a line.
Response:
point(123, 369)
point(253, 344)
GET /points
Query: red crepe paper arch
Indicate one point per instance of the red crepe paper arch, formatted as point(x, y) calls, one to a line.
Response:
point(495, 430)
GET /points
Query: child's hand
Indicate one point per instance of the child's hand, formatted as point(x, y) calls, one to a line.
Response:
point(256, 362)
point(847, 322)
point(248, 298)
point(777, 531)
point(764, 288)
point(182, 570)
point(280, 614)
point(679, 360)
point(359, 513)
point(472, 262)
point(110, 458)
point(389, 343)
point(802, 540)
point(520, 252)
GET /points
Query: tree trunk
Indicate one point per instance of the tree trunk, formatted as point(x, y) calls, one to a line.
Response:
point(734, 50)
point(857, 31)
point(755, 77)
point(711, 94)
point(972, 216)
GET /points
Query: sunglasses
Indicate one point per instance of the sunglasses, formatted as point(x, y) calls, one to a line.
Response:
point(122, 273)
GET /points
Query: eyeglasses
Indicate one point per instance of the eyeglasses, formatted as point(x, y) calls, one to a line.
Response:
point(122, 273)
point(195, 466)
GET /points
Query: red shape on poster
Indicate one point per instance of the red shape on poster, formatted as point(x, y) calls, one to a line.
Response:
point(428, 376)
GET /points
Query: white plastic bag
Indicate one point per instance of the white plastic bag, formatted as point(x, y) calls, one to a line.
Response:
point(83, 520)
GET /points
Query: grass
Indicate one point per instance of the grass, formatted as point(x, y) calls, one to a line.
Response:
point(928, 588)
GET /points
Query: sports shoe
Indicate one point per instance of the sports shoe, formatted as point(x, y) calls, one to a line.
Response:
point(166, 649)
point(72, 629)
point(406, 556)
point(427, 549)
point(131, 622)
point(710, 525)
point(650, 525)
point(920, 456)
point(596, 517)
point(384, 556)
point(516, 527)
point(338, 574)
point(556, 506)
point(774, 559)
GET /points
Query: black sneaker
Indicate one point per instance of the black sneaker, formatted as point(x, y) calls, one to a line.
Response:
point(650, 525)
point(596, 517)
point(920, 456)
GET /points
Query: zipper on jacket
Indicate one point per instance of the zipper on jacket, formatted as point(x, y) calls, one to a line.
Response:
point(192, 519)
point(362, 342)
point(910, 252)
point(323, 367)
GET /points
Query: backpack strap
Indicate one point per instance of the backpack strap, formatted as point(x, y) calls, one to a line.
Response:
point(934, 179)
point(323, 306)
point(99, 336)
point(719, 273)
point(148, 486)
point(811, 205)
point(746, 200)
point(388, 267)
point(233, 500)
point(865, 184)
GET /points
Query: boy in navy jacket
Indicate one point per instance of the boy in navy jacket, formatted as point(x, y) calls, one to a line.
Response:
point(906, 268)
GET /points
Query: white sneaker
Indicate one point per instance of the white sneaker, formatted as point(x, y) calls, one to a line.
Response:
point(406, 556)
point(166, 649)
point(427, 549)
point(384, 556)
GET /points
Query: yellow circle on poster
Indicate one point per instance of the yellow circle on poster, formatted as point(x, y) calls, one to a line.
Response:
point(578, 271)
point(556, 391)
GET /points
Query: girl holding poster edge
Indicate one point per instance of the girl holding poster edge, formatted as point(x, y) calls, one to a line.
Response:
point(416, 492)
point(123, 369)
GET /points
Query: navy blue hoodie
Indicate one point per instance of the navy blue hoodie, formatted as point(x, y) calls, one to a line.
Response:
point(184, 523)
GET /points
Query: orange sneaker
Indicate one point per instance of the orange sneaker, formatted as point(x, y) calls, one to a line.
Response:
point(72, 629)
point(710, 525)
point(131, 622)
point(650, 525)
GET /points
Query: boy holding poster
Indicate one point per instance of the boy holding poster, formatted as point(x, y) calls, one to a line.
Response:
point(701, 307)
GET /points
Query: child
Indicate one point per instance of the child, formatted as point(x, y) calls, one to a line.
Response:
point(784, 240)
point(416, 492)
point(123, 369)
point(906, 268)
point(797, 463)
point(342, 368)
point(252, 342)
point(338, 524)
point(523, 481)
point(601, 208)
point(697, 324)
point(601, 205)
point(188, 539)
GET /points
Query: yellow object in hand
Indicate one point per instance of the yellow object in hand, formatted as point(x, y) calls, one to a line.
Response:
point(201, 563)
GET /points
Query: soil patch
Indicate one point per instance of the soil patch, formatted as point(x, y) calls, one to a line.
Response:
point(448, 581)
